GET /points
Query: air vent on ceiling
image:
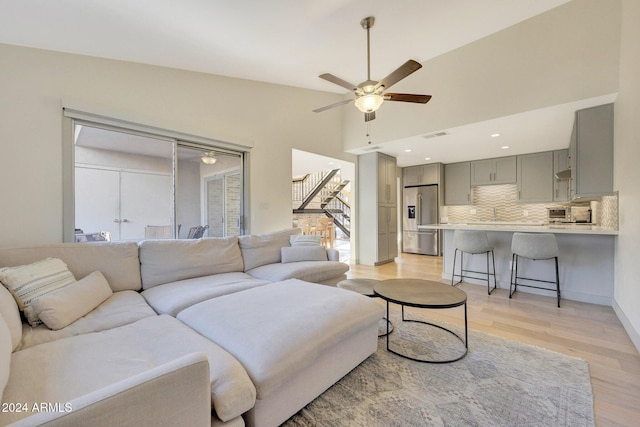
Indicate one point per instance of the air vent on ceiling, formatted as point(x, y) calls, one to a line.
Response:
point(372, 148)
point(435, 135)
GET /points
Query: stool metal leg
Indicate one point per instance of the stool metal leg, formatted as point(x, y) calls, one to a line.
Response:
point(557, 281)
point(453, 270)
point(514, 275)
point(513, 285)
point(495, 282)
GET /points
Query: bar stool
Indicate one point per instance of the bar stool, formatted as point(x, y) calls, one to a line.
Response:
point(473, 242)
point(533, 246)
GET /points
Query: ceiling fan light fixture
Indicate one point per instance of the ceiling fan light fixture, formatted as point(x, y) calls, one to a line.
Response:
point(208, 158)
point(369, 103)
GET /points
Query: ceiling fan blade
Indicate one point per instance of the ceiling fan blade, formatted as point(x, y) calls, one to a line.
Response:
point(400, 73)
point(407, 97)
point(337, 104)
point(369, 116)
point(337, 80)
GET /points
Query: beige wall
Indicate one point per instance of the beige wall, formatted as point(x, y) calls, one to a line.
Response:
point(36, 84)
point(567, 54)
point(627, 173)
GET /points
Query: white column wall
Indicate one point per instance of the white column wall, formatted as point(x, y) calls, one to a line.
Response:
point(627, 173)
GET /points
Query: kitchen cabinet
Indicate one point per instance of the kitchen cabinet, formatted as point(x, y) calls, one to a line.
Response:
point(561, 187)
point(591, 152)
point(535, 177)
point(387, 233)
point(377, 209)
point(421, 175)
point(386, 179)
point(501, 170)
point(457, 184)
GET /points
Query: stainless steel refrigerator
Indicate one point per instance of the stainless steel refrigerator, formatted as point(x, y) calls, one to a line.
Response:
point(420, 207)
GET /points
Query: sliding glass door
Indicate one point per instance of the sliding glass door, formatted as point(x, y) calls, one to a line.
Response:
point(209, 191)
point(134, 186)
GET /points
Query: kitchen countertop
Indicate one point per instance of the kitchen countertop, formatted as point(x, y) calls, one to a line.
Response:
point(530, 227)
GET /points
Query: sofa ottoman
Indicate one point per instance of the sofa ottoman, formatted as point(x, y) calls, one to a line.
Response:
point(68, 368)
point(295, 339)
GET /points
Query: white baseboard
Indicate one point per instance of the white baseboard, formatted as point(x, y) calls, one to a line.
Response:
point(568, 295)
point(633, 334)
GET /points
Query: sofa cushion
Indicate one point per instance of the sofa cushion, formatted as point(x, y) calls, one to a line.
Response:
point(164, 261)
point(71, 367)
point(303, 253)
point(32, 281)
point(64, 306)
point(5, 355)
point(120, 309)
point(264, 249)
point(172, 298)
point(288, 324)
point(118, 261)
point(9, 310)
point(310, 271)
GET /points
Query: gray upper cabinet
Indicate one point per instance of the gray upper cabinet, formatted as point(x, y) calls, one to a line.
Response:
point(535, 177)
point(561, 187)
point(494, 171)
point(457, 184)
point(421, 175)
point(591, 152)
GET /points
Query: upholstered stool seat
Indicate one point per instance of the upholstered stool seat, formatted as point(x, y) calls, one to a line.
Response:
point(473, 242)
point(533, 246)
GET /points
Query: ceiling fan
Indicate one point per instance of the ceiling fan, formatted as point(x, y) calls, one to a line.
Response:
point(370, 94)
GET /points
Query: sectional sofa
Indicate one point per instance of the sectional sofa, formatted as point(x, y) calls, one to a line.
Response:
point(227, 331)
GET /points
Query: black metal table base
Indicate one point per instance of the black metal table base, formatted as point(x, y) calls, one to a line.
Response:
point(464, 341)
point(389, 328)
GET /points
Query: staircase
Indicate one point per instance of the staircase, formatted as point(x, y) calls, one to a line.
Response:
point(323, 193)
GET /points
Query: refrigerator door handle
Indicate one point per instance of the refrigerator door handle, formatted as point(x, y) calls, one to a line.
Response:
point(419, 210)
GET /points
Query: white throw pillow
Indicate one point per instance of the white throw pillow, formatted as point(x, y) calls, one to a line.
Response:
point(303, 253)
point(29, 282)
point(64, 306)
point(305, 240)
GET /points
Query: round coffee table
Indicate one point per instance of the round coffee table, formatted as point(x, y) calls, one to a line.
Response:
point(423, 294)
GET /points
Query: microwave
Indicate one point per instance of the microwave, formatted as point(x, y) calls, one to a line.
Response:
point(570, 214)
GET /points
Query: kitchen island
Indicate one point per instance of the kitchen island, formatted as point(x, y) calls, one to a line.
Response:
point(586, 257)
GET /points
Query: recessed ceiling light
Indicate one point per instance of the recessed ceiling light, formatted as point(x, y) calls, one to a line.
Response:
point(504, 147)
point(331, 163)
point(495, 135)
point(427, 158)
point(408, 150)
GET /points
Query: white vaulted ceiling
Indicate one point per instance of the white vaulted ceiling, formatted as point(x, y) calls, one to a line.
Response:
point(287, 42)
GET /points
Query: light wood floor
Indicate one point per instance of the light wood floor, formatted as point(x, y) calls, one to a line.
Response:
point(588, 331)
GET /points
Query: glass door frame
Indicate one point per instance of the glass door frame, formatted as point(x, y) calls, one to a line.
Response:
point(72, 117)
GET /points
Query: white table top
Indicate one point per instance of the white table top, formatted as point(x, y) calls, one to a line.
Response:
point(529, 227)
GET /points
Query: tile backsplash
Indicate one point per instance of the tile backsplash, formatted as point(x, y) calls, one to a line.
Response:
point(500, 200)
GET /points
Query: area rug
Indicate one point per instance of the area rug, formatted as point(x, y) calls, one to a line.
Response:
point(498, 383)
